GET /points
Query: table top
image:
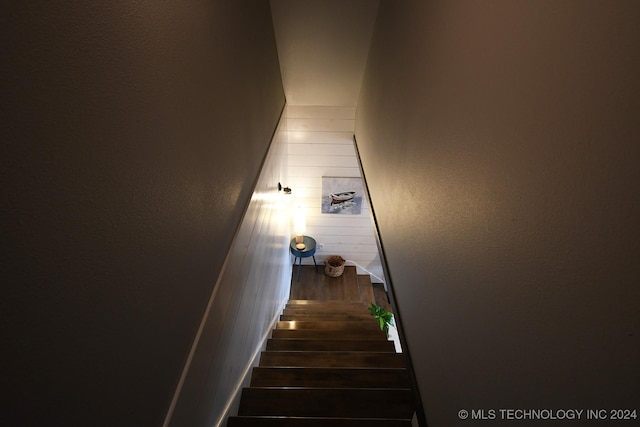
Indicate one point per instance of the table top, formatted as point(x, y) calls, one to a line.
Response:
point(310, 247)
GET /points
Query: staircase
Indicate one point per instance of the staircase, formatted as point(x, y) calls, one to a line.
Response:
point(327, 364)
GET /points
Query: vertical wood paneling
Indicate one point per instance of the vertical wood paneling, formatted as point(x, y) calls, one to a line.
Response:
point(249, 294)
point(321, 144)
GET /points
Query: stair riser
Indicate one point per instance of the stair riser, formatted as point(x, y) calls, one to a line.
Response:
point(359, 308)
point(365, 288)
point(330, 377)
point(337, 308)
point(314, 422)
point(329, 308)
point(329, 334)
point(360, 403)
point(330, 345)
point(332, 359)
point(333, 325)
point(318, 303)
point(323, 302)
point(328, 313)
point(287, 315)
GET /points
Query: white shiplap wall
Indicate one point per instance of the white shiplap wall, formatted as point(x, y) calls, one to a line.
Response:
point(321, 144)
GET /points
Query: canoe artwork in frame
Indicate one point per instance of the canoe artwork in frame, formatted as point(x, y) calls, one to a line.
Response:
point(342, 195)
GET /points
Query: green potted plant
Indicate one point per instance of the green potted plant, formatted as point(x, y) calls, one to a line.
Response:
point(384, 317)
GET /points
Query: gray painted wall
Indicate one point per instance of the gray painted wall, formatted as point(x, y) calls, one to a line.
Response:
point(500, 143)
point(245, 304)
point(132, 137)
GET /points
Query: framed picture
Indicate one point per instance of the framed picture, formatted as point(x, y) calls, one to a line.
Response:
point(342, 195)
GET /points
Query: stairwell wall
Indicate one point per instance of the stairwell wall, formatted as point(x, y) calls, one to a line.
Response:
point(500, 143)
point(251, 291)
point(133, 134)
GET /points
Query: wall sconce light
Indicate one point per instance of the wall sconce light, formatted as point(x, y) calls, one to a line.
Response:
point(287, 190)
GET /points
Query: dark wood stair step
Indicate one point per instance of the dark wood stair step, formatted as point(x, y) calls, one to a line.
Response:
point(323, 402)
point(336, 359)
point(328, 315)
point(257, 421)
point(325, 303)
point(292, 315)
point(327, 312)
point(339, 308)
point(366, 288)
point(275, 344)
point(330, 377)
point(335, 325)
point(323, 334)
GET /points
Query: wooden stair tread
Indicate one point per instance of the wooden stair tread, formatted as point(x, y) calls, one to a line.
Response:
point(327, 363)
point(327, 402)
point(318, 302)
point(382, 298)
point(321, 309)
point(328, 324)
point(318, 315)
point(330, 377)
point(345, 334)
point(328, 314)
point(275, 421)
point(329, 307)
point(276, 344)
point(366, 288)
point(332, 359)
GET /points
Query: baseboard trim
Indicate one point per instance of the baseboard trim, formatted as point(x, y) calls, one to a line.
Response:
point(194, 345)
point(216, 286)
point(252, 362)
point(380, 279)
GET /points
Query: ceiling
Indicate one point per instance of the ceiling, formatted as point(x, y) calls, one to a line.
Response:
point(323, 47)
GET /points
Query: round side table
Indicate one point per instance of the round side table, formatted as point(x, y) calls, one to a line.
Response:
point(308, 251)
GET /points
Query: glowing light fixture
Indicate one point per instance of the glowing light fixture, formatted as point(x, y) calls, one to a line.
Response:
point(287, 190)
point(299, 226)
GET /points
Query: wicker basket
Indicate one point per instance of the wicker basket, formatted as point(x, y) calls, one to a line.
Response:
point(334, 266)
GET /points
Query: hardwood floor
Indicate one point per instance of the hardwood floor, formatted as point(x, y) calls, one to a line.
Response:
point(348, 287)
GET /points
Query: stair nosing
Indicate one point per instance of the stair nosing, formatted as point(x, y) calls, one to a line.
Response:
point(345, 368)
point(332, 351)
point(319, 418)
point(327, 388)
